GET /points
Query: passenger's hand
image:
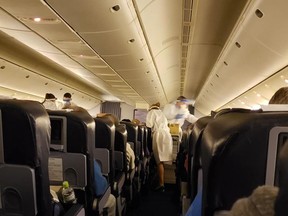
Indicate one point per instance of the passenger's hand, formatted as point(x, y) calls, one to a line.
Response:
point(179, 116)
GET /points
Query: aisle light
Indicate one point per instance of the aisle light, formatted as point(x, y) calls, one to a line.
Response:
point(37, 19)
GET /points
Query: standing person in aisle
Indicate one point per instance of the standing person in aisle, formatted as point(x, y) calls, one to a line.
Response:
point(177, 112)
point(162, 140)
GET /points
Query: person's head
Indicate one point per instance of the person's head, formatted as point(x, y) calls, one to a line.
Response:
point(67, 97)
point(182, 102)
point(154, 106)
point(50, 102)
point(50, 97)
point(110, 116)
point(136, 121)
point(280, 96)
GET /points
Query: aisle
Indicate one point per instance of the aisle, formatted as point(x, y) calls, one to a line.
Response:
point(157, 203)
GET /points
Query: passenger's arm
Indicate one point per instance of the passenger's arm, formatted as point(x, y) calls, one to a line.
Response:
point(190, 118)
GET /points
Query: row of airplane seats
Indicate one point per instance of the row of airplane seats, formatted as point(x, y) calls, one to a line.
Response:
point(66, 151)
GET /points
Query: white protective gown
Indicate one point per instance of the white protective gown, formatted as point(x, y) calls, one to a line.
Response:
point(171, 111)
point(162, 140)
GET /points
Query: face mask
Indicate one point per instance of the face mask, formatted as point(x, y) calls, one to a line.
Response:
point(183, 106)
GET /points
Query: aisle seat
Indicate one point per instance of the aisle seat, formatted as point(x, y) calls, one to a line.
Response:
point(235, 149)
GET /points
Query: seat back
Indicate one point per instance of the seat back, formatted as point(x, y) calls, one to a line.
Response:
point(149, 140)
point(18, 196)
point(71, 167)
point(281, 207)
point(25, 136)
point(234, 152)
point(140, 139)
point(105, 138)
point(132, 136)
point(120, 147)
point(194, 164)
point(80, 136)
point(145, 143)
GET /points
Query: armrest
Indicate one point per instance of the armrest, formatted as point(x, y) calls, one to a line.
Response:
point(102, 157)
point(103, 200)
point(76, 210)
point(119, 163)
point(131, 174)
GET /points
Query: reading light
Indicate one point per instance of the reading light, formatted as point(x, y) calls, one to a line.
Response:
point(115, 8)
point(259, 13)
point(131, 40)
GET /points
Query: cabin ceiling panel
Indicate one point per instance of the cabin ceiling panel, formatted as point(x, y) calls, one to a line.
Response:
point(8, 22)
point(102, 70)
point(212, 22)
point(136, 76)
point(253, 54)
point(270, 30)
point(19, 7)
point(125, 62)
point(199, 68)
point(86, 62)
point(166, 16)
point(168, 61)
point(118, 42)
point(29, 37)
point(101, 17)
point(41, 85)
point(215, 20)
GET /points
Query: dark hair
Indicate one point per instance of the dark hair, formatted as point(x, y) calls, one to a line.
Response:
point(154, 106)
point(112, 117)
point(181, 97)
point(50, 96)
point(280, 96)
point(67, 95)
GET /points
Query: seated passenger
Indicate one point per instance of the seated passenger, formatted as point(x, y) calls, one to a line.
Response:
point(57, 208)
point(101, 185)
point(260, 202)
point(280, 96)
point(130, 157)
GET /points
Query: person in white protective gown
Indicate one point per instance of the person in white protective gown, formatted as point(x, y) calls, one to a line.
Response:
point(177, 112)
point(161, 140)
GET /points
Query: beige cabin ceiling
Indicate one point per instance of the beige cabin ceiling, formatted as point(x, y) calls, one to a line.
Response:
point(144, 51)
point(140, 45)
